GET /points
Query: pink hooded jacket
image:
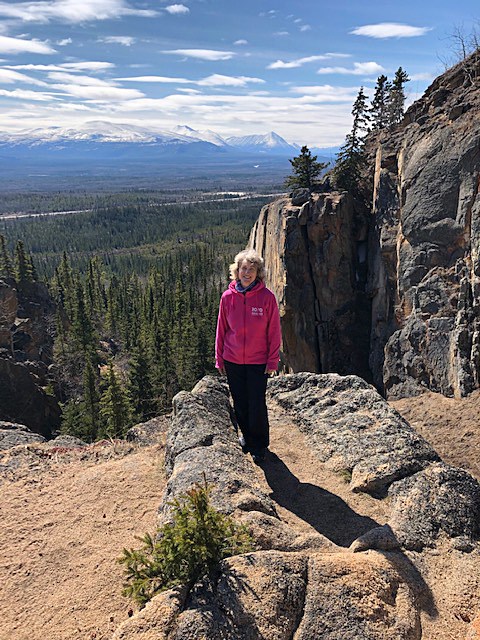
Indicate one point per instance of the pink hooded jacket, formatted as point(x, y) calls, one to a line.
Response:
point(248, 327)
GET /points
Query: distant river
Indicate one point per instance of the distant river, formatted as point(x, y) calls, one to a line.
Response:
point(243, 196)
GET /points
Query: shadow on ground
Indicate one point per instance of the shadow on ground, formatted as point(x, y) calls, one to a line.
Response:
point(324, 511)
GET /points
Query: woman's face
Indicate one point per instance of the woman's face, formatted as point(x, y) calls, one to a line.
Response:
point(247, 273)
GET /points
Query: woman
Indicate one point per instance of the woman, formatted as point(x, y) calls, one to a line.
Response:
point(247, 346)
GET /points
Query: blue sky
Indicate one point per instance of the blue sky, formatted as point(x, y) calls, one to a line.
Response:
point(236, 68)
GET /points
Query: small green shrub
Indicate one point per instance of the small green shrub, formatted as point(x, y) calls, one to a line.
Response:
point(184, 550)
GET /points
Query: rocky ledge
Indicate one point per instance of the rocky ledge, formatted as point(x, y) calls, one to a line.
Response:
point(305, 586)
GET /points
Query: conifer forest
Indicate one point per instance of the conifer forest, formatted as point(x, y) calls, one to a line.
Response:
point(136, 282)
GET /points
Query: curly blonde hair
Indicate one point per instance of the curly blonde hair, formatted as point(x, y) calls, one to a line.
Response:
point(251, 256)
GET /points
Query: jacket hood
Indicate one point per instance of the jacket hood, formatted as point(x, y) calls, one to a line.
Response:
point(258, 287)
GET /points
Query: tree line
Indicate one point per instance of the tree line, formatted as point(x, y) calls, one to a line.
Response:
point(385, 111)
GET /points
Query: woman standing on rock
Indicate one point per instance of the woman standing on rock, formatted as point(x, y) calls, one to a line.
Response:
point(247, 347)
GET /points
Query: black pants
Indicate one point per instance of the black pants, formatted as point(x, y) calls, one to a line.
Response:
point(248, 384)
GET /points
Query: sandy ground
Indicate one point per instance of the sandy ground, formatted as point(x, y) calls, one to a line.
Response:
point(451, 425)
point(66, 515)
point(64, 521)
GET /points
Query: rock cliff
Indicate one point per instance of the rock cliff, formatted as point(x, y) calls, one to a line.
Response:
point(26, 344)
point(390, 290)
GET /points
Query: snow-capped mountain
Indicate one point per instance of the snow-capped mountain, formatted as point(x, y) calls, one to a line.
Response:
point(205, 135)
point(100, 132)
point(269, 142)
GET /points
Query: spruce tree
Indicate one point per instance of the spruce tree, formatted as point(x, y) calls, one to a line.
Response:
point(23, 269)
point(351, 157)
point(140, 389)
point(82, 326)
point(115, 409)
point(306, 170)
point(91, 402)
point(6, 269)
point(396, 101)
point(379, 106)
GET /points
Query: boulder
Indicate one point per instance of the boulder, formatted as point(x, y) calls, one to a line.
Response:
point(352, 429)
point(13, 435)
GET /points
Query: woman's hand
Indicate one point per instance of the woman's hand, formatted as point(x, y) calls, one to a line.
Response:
point(222, 371)
point(270, 372)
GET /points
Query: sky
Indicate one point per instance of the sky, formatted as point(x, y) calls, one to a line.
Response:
point(234, 67)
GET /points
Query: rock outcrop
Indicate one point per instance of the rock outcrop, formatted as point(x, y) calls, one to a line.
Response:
point(26, 345)
point(306, 586)
point(390, 290)
point(424, 252)
point(317, 267)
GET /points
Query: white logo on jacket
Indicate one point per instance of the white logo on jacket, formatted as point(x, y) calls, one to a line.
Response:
point(257, 311)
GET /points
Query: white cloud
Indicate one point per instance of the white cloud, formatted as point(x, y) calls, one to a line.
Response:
point(217, 80)
point(359, 69)
point(99, 93)
point(64, 42)
point(19, 45)
point(126, 41)
point(86, 81)
point(8, 76)
point(281, 33)
point(190, 91)
point(202, 54)
point(390, 30)
point(74, 11)
point(70, 66)
point(177, 9)
point(159, 79)
point(26, 95)
point(428, 77)
point(305, 27)
point(326, 93)
point(240, 42)
point(87, 66)
point(294, 64)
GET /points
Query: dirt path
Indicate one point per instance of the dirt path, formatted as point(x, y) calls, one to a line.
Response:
point(64, 523)
point(310, 496)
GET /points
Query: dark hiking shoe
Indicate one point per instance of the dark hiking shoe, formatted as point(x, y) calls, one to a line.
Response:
point(243, 444)
point(258, 456)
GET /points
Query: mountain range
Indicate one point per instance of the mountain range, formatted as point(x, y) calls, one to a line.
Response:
point(108, 151)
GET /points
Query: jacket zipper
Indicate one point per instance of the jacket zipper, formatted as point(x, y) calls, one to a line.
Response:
point(244, 325)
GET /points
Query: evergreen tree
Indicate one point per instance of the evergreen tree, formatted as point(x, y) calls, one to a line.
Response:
point(140, 389)
point(396, 101)
point(380, 103)
point(6, 269)
point(91, 400)
point(82, 326)
point(351, 157)
point(306, 170)
point(23, 268)
point(115, 408)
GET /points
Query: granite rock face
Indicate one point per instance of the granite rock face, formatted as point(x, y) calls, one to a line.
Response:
point(26, 346)
point(425, 246)
point(315, 255)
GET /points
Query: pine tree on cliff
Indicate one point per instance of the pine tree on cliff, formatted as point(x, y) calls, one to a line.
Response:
point(396, 100)
point(306, 170)
point(23, 265)
point(351, 157)
point(379, 106)
point(6, 269)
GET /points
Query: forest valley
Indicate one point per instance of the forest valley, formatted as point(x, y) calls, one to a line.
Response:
point(136, 290)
